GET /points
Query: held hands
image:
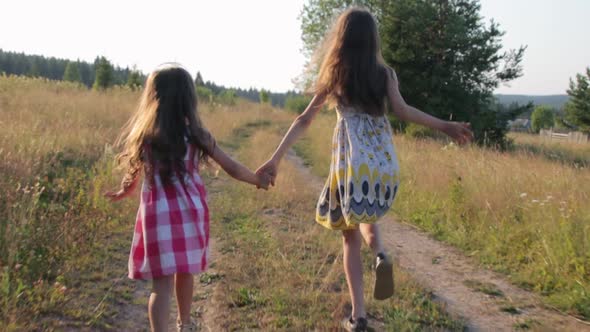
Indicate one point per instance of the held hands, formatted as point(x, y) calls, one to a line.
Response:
point(269, 171)
point(264, 180)
point(459, 131)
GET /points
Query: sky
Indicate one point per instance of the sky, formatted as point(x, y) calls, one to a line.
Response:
point(257, 43)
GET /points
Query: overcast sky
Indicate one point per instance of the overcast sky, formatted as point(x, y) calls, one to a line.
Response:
point(257, 43)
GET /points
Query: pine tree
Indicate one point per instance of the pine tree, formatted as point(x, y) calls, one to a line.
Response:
point(135, 79)
point(264, 96)
point(104, 74)
point(447, 59)
point(199, 79)
point(72, 72)
point(577, 109)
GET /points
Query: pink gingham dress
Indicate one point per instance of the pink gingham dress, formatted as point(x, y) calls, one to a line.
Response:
point(172, 226)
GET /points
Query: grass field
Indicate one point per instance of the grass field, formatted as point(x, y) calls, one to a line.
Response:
point(523, 213)
point(63, 247)
point(569, 153)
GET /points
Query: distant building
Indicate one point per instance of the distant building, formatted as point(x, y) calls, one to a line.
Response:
point(519, 124)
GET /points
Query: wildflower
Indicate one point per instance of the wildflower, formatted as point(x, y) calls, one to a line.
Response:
point(523, 195)
point(549, 197)
point(535, 201)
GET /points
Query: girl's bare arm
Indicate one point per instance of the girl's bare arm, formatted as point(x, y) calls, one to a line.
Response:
point(461, 132)
point(127, 188)
point(238, 171)
point(298, 127)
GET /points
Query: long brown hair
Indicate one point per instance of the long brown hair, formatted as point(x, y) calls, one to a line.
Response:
point(156, 138)
point(352, 70)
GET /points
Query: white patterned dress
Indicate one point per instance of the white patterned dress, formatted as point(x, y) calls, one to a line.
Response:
point(364, 171)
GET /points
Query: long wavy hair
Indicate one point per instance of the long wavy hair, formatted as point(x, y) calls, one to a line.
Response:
point(352, 70)
point(157, 136)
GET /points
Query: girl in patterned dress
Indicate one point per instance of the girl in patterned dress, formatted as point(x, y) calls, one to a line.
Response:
point(364, 170)
point(166, 141)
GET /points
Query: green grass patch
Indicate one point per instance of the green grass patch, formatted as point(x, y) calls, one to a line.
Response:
point(487, 288)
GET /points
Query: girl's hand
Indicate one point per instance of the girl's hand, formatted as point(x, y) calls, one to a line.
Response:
point(270, 168)
point(127, 187)
point(459, 131)
point(263, 181)
point(115, 196)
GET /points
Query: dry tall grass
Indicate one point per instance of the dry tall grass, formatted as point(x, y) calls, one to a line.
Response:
point(63, 248)
point(282, 270)
point(570, 153)
point(520, 213)
point(54, 165)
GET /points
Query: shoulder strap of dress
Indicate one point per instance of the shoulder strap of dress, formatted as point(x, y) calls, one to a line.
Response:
point(391, 73)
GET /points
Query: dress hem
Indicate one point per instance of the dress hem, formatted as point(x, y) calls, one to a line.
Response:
point(151, 276)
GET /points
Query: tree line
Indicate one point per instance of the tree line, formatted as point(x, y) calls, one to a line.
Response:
point(208, 90)
point(100, 73)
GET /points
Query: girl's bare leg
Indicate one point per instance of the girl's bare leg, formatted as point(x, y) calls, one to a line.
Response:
point(351, 241)
point(159, 304)
point(184, 296)
point(372, 237)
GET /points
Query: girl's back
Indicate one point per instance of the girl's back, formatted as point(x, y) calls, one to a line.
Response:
point(364, 171)
point(172, 226)
point(165, 141)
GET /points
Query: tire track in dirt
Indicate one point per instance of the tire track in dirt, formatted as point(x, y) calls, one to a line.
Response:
point(486, 300)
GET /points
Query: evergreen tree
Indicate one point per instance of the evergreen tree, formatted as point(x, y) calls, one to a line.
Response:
point(135, 79)
point(87, 73)
point(199, 79)
point(264, 96)
point(447, 60)
point(577, 109)
point(72, 72)
point(228, 97)
point(104, 74)
point(34, 70)
point(297, 103)
point(55, 69)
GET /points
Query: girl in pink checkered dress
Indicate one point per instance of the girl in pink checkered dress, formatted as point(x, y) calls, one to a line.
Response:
point(164, 142)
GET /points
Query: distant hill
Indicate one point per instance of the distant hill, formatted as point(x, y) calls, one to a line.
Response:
point(555, 101)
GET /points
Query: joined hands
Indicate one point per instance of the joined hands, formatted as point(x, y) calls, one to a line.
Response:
point(267, 173)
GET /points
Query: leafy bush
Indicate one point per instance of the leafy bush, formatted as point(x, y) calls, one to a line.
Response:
point(297, 103)
point(227, 97)
point(418, 131)
point(204, 94)
point(542, 118)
